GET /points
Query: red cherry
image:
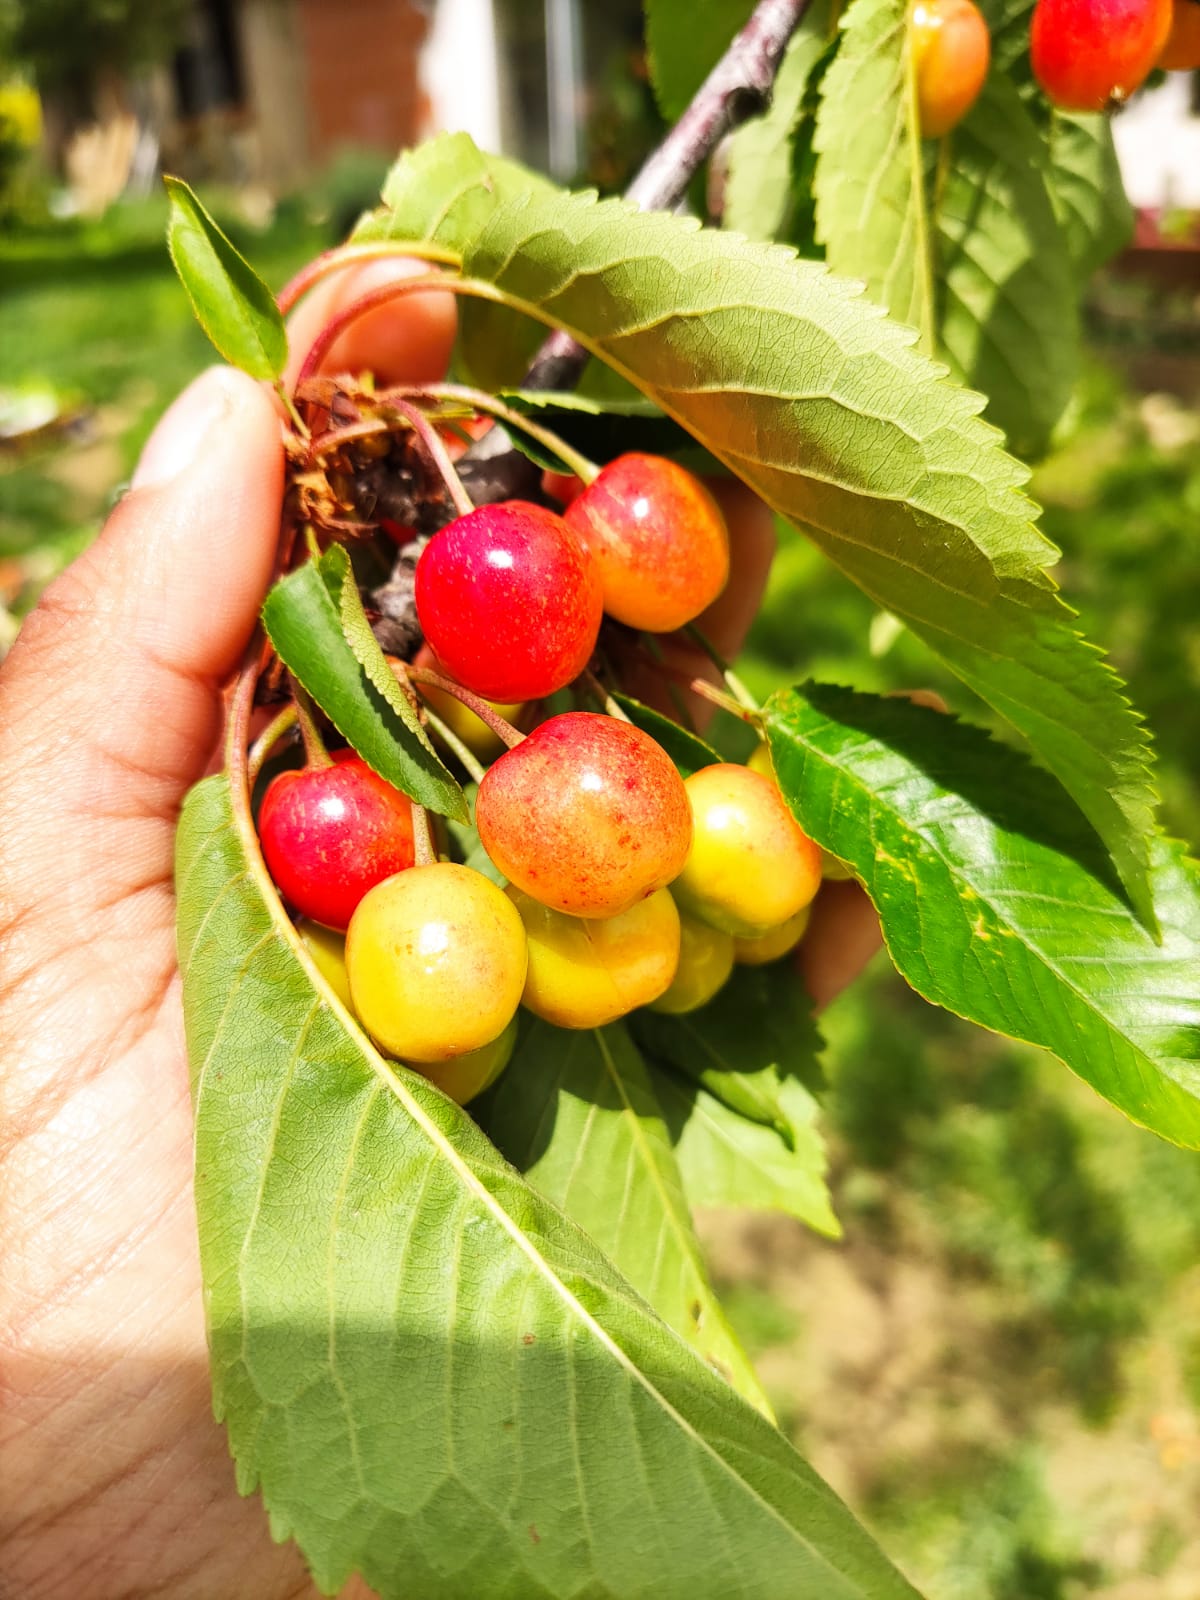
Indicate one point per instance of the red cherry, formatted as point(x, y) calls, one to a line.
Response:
point(587, 815)
point(658, 538)
point(1086, 53)
point(509, 601)
point(329, 834)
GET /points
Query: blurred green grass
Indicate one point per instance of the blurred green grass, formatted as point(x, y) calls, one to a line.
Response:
point(999, 1365)
point(92, 314)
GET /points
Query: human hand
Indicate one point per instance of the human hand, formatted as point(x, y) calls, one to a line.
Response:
point(117, 1479)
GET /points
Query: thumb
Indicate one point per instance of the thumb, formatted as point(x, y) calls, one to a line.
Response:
point(110, 697)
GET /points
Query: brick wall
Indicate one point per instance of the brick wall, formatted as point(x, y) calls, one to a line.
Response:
point(361, 70)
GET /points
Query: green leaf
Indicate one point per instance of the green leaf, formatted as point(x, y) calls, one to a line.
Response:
point(315, 621)
point(987, 275)
point(1085, 184)
point(433, 1376)
point(872, 208)
point(684, 42)
point(234, 306)
point(995, 898)
point(808, 394)
point(759, 187)
point(576, 1113)
point(495, 342)
point(1009, 318)
point(686, 750)
point(727, 1161)
point(752, 1040)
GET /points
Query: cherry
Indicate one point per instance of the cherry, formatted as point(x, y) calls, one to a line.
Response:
point(1086, 53)
point(705, 962)
point(460, 719)
point(463, 1077)
point(760, 761)
point(583, 974)
point(953, 50)
point(436, 959)
point(778, 942)
point(658, 539)
point(509, 600)
point(587, 815)
point(1182, 51)
point(330, 833)
point(328, 952)
point(751, 867)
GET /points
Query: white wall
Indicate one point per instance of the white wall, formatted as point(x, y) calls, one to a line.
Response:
point(459, 70)
point(1158, 143)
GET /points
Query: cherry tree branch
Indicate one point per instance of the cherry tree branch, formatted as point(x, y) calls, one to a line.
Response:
point(733, 91)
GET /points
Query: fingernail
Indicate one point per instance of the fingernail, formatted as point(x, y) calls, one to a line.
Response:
point(181, 431)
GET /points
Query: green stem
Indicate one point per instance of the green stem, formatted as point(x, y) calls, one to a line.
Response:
point(297, 420)
point(266, 742)
point(478, 400)
point(737, 688)
point(599, 693)
point(473, 766)
point(735, 708)
point(315, 753)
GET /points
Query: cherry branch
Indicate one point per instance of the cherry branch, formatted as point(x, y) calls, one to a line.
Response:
point(732, 92)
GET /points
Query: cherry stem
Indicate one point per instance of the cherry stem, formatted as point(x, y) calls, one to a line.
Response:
point(447, 735)
point(349, 255)
point(334, 438)
point(424, 853)
point(439, 456)
point(267, 740)
point(735, 708)
point(315, 753)
point(401, 670)
point(500, 726)
point(478, 400)
point(286, 400)
point(736, 687)
point(592, 684)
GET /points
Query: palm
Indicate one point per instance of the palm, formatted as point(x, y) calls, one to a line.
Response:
point(104, 1316)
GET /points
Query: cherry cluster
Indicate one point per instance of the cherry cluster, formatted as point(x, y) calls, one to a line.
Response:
point(1087, 55)
point(626, 885)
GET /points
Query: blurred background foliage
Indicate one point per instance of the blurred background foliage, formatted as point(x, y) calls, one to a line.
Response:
point(1000, 1364)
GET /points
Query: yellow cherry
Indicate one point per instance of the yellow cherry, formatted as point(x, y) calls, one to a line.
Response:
point(436, 959)
point(328, 951)
point(751, 867)
point(465, 1076)
point(705, 961)
point(833, 869)
point(584, 972)
point(770, 946)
